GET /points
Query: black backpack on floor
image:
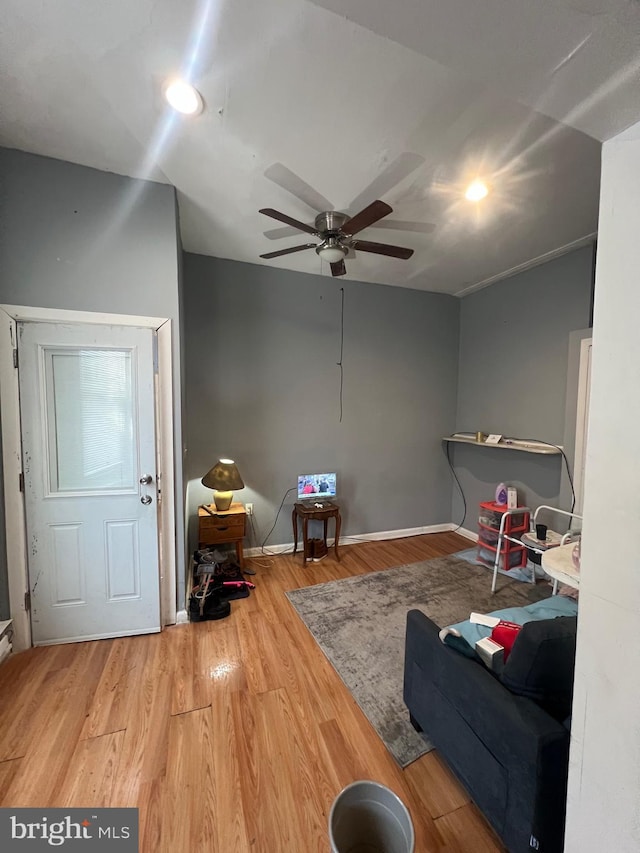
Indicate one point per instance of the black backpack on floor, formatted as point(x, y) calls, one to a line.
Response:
point(213, 606)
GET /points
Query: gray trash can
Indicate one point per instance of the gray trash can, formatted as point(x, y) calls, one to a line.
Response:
point(367, 817)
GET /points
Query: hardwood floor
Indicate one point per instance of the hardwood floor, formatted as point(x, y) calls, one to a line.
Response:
point(229, 736)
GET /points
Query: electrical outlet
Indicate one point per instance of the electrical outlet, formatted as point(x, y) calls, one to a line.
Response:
point(249, 508)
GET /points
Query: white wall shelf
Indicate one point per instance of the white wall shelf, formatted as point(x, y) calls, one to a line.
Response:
point(506, 444)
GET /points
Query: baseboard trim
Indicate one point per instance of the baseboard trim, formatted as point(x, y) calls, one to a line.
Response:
point(396, 534)
point(368, 537)
point(468, 534)
point(271, 550)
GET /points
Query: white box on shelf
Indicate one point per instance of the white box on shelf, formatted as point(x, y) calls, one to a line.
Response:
point(512, 497)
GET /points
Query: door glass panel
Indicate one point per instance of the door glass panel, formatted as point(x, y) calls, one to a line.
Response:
point(90, 425)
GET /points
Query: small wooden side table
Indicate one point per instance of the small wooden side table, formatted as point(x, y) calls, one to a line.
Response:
point(218, 528)
point(305, 512)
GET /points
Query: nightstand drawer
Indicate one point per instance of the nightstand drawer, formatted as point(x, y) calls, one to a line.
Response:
point(232, 524)
point(217, 536)
point(215, 529)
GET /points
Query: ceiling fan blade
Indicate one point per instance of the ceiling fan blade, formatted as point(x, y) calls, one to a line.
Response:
point(397, 171)
point(338, 268)
point(382, 249)
point(279, 233)
point(288, 180)
point(376, 210)
point(288, 220)
point(289, 251)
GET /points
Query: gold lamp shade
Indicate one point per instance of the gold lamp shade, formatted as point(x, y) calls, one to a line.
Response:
point(223, 478)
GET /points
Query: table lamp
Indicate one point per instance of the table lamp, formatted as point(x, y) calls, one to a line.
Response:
point(223, 478)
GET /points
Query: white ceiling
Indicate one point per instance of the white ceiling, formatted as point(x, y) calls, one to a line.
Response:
point(336, 103)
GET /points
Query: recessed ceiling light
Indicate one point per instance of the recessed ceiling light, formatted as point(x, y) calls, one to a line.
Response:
point(183, 97)
point(476, 190)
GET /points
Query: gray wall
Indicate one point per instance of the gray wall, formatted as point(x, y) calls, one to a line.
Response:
point(80, 239)
point(261, 346)
point(516, 352)
point(263, 387)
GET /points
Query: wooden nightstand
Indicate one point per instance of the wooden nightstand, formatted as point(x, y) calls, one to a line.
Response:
point(220, 528)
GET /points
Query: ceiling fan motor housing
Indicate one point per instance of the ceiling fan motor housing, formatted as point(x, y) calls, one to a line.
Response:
point(330, 223)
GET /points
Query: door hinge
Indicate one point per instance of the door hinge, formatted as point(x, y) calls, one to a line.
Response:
point(27, 601)
point(15, 358)
point(21, 481)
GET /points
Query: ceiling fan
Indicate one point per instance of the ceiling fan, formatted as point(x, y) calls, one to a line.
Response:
point(336, 232)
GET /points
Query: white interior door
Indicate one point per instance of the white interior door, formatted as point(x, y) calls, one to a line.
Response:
point(88, 431)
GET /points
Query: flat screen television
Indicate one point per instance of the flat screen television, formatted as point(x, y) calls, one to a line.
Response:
point(314, 486)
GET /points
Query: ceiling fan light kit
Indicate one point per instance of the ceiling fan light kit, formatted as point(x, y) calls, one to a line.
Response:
point(332, 250)
point(336, 230)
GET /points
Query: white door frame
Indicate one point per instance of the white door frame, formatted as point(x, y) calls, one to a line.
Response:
point(582, 421)
point(14, 514)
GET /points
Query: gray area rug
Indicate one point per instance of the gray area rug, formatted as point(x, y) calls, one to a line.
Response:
point(359, 623)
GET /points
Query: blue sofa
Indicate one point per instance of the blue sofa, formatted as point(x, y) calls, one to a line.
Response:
point(509, 746)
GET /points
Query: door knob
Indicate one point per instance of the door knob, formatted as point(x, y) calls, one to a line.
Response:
point(146, 499)
point(146, 480)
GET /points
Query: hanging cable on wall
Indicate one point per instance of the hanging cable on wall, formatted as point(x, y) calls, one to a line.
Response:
point(339, 363)
point(464, 500)
point(273, 526)
point(566, 464)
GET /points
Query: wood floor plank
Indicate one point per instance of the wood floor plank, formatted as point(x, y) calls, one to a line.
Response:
point(219, 658)
point(111, 704)
point(144, 749)
point(91, 772)
point(234, 735)
point(260, 668)
point(8, 771)
point(191, 687)
point(189, 815)
point(230, 832)
point(243, 707)
point(433, 785)
point(276, 813)
point(466, 831)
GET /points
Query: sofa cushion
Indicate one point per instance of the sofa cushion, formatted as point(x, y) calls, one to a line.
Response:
point(541, 664)
point(469, 633)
